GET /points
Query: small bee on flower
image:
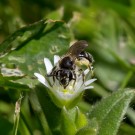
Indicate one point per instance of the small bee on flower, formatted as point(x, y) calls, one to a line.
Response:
point(65, 81)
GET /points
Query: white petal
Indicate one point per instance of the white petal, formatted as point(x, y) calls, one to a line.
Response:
point(48, 65)
point(89, 82)
point(42, 79)
point(78, 84)
point(89, 87)
point(56, 59)
point(86, 71)
point(91, 67)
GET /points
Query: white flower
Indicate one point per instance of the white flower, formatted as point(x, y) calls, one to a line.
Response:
point(60, 96)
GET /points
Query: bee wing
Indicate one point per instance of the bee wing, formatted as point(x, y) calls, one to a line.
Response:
point(77, 48)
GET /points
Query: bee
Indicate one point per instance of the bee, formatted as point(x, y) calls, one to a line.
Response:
point(64, 71)
point(85, 58)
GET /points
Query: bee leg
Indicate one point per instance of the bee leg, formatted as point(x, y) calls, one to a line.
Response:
point(52, 74)
point(83, 75)
point(65, 82)
point(74, 78)
point(91, 70)
point(53, 80)
point(58, 76)
point(66, 85)
point(92, 73)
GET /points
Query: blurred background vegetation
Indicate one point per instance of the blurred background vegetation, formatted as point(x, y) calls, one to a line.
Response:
point(109, 28)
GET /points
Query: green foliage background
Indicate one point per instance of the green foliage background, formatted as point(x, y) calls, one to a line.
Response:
point(33, 29)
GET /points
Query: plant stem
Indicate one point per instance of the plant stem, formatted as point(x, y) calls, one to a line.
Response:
point(126, 79)
point(17, 115)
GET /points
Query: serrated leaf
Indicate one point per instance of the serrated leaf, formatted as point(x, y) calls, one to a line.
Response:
point(111, 110)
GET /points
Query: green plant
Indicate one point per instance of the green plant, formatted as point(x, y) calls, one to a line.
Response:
point(109, 30)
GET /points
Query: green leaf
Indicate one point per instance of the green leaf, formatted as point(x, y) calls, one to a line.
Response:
point(103, 72)
point(111, 110)
point(22, 128)
point(9, 82)
point(18, 38)
point(80, 119)
point(5, 123)
point(51, 112)
point(28, 58)
point(121, 9)
point(90, 129)
point(57, 14)
point(67, 124)
point(126, 129)
point(131, 115)
point(52, 40)
point(87, 131)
